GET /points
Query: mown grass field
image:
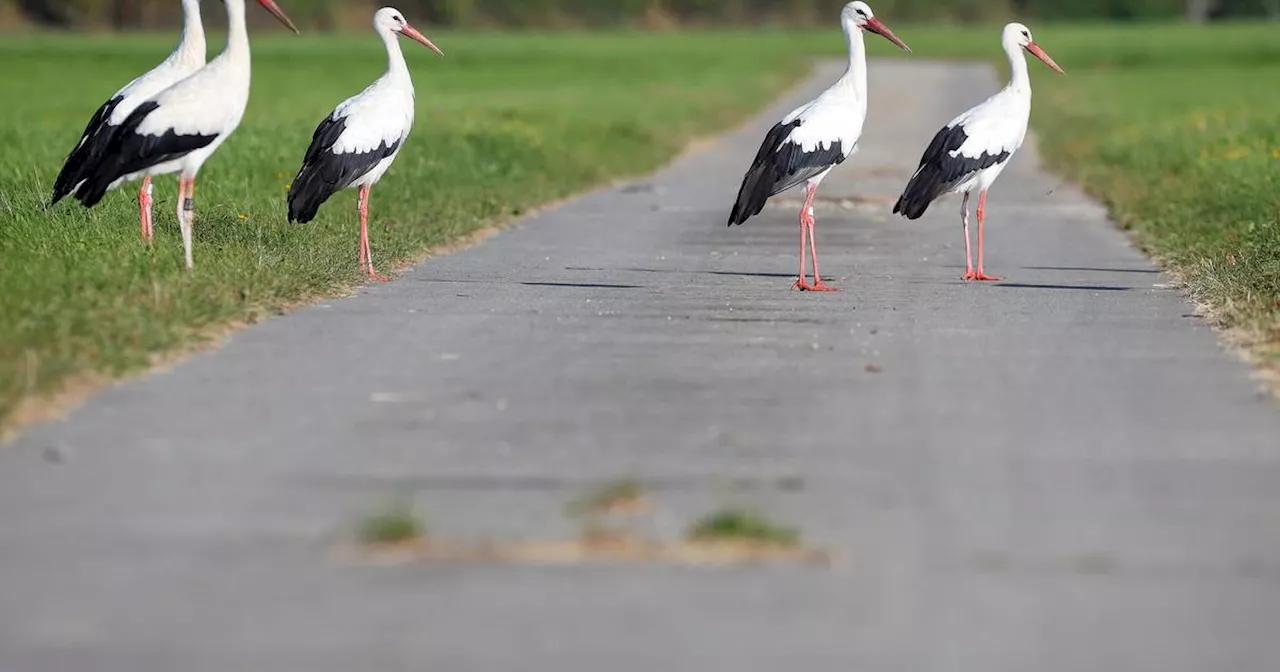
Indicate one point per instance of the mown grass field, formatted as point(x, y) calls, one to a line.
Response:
point(1177, 129)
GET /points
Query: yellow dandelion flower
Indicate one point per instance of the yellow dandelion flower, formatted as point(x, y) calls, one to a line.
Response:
point(243, 216)
point(1234, 153)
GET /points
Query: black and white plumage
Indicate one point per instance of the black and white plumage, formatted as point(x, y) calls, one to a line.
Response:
point(187, 58)
point(179, 128)
point(356, 144)
point(784, 161)
point(325, 170)
point(813, 139)
point(971, 151)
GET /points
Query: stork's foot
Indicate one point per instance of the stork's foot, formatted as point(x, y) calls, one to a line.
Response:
point(981, 277)
point(376, 276)
point(817, 286)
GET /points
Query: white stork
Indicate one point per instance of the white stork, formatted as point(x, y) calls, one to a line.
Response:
point(356, 144)
point(970, 152)
point(178, 129)
point(814, 138)
point(186, 58)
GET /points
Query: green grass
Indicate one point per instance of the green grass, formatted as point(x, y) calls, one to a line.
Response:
point(741, 525)
point(394, 525)
point(503, 123)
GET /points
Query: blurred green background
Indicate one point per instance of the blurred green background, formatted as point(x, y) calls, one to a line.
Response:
point(653, 14)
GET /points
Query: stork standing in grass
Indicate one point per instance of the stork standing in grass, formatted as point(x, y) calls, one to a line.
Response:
point(971, 151)
point(179, 128)
point(813, 139)
point(186, 58)
point(356, 144)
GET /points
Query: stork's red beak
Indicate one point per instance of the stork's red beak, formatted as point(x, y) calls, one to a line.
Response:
point(414, 34)
point(874, 25)
point(1039, 53)
point(275, 10)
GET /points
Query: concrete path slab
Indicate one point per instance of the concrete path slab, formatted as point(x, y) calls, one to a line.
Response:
point(1060, 472)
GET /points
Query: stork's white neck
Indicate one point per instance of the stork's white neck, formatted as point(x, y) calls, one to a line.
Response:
point(191, 48)
point(855, 78)
point(1019, 80)
point(237, 33)
point(396, 67)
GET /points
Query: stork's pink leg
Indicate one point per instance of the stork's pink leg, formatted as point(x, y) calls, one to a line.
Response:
point(805, 218)
point(363, 261)
point(818, 285)
point(806, 234)
point(186, 214)
point(811, 246)
point(804, 247)
point(982, 216)
point(968, 254)
point(144, 209)
point(366, 252)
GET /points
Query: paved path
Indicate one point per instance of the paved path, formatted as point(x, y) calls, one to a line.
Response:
point(1060, 472)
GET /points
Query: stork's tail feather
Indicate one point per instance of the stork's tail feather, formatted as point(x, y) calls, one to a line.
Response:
point(59, 193)
point(83, 160)
point(94, 185)
point(69, 177)
point(87, 153)
point(911, 208)
point(916, 198)
point(755, 190)
point(306, 194)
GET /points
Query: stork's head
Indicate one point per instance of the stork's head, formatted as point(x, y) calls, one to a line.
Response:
point(390, 20)
point(858, 16)
point(1017, 35)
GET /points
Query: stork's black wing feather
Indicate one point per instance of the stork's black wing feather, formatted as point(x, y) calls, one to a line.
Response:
point(88, 151)
point(779, 165)
point(940, 171)
point(324, 172)
point(130, 152)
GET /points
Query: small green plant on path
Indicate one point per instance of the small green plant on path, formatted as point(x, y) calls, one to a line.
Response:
point(395, 524)
point(622, 495)
point(742, 526)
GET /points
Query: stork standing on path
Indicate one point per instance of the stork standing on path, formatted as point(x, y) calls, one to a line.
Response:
point(970, 152)
point(814, 138)
point(356, 144)
point(178, 129)
point(186, 58)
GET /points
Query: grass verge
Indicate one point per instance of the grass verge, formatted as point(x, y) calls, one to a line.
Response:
point(504, 123)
